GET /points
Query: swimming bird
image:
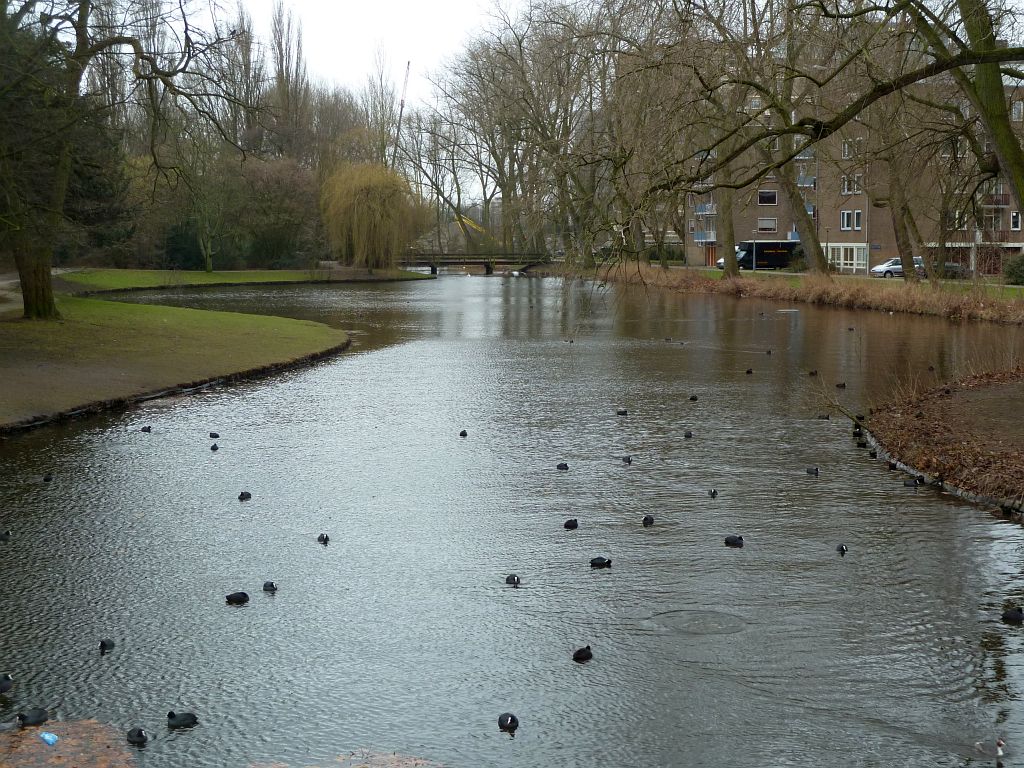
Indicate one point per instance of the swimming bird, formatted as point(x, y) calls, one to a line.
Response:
point(713, 493)
point(214, 447)
point(512, 579)
point(146, 429)
point(571, 524)
point(841, 385)
point(324, 539)
point(994, 749)
point(270, 586)
point(508, 722)
point(562, 466)
point(47, 478)
point(842, 549)
point(1014, 616)
point(750, 371)
point(5, 535)
point(244, 496)
point(237, 598)
point(824, 416)
point(693, 398)
point(214, 435)
point(6, 683)
point(687, 434)
point(600, 562)
point(582, 654)
point(862, 443)
point(734, 541)
point(35, 716)
point(768, 352)
point(627, 459)
point(648, 521)
point(857, 431)
point(914, 483)
point(813, 471)
point(892, 465)
point(137, 736)
point(620, 412)
point(812, 373)
point(182, 720)
point(463, 433)
point(106, 644)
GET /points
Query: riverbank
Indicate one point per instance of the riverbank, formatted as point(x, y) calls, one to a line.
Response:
point(105, 354)
point(965, 434)
point(953, 301)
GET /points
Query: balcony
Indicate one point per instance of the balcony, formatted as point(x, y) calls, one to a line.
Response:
point(995, 235)
point(996, 200)
point(705, 209)
point(704, 236)
point(806, 181)
point(807, 153)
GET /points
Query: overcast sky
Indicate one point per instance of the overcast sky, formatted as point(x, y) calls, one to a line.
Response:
point(342, 37)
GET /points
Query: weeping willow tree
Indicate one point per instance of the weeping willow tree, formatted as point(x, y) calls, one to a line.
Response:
point(370, 214)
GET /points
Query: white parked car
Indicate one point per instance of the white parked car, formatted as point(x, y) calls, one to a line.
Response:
point(894, 267)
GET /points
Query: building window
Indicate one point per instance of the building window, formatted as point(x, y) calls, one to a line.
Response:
point(767, 225)
point(857, 220)
point(852, 148)
point(956, 220)
point(767, 197)
point(755, 103)
point(1015, 221)
point(1017, 110)
point(846, 220)
point(852, 184)
point(774, 144)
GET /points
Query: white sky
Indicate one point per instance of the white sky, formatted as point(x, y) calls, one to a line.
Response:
point(341, 37)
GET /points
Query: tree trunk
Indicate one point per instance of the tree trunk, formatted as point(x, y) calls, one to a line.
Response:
point(804, 223)
point(725, 236)
point(32, 255)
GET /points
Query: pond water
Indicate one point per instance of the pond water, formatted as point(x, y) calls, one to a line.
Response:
point(401, 635)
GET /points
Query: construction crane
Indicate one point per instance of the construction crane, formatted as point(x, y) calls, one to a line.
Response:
point(401, 109)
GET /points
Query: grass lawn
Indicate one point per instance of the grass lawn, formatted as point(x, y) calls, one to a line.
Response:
point(102, 350)
point(126, 279)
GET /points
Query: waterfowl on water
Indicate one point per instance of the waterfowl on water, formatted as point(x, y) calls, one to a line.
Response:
point(270, 586)
point(813, 471)
point(463, 433)
point(571, 524)
point(734, 541)
point(693, 398)
point(812, 373)
point(1014, 615)
point(512, 579)
point(824, 416)
point(35, 716)
point(915, 482)
point(862, 443)
point(991, 749)
point(620, 412)
point(6, 683)
point(750, 371)
point(214, 435)
point(713, 493)
point(47, 478)
point(648, 521)
point(5, 535)
point(582, 654)
point(563, 466)
point(214, 447)
point(182, 720)
point(687, 434)
point(137, 736)
point(244, 496)
point(237, 598)
point(627, 459)
point(841, 385)
point(106, 645)
point(842, 549)
point(508, 722)
point(600, 562)
point(324, 539)
point(146, 429)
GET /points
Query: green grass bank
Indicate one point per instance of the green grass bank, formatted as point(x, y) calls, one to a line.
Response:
point(128, 279)
point(102, 353)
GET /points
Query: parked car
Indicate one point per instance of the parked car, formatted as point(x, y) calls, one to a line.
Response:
point(770, 254)
point(951, 270)
point(894, 267)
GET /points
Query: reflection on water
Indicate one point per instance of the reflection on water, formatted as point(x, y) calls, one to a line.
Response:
point(401, 634)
